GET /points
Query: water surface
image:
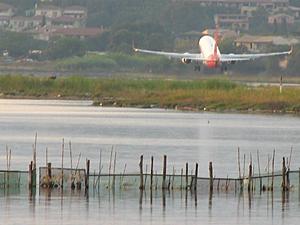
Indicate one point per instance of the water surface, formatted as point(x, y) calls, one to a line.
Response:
point(183, 136)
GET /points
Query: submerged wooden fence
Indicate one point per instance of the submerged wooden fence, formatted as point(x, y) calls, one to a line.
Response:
point(187, 179)
point(76, 178)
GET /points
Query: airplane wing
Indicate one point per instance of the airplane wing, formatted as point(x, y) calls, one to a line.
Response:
point(191, 56)
point(244, 57)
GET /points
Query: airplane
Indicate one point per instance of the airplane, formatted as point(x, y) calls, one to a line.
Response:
point(210, 54)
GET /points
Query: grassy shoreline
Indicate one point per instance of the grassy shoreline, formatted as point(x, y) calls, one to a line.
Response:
point(196, 95)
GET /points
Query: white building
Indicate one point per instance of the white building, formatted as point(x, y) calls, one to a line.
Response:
point(50, 11)
point(6, 10)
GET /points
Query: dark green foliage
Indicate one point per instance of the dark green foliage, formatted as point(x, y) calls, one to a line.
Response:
point(20, 5)
point(18, 44)
point(65, 47)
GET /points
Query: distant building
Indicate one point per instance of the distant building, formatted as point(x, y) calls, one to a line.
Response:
point(248, 10)
point(223, 33)
point(48, 32)
point(281, 18)
point(257, 43)
point(232, 21)
point(295, 11)
point(66, 22)
point(75, 11)
point(267, 4)
point(49, 11)
point(4, 21)
point(254, 43)
point(69, 17)
point(21, 23)
point(6, 10)
point(81, 33)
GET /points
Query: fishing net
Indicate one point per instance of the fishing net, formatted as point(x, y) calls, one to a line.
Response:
point(70, 177)
point(172, 182)
point(13, 179)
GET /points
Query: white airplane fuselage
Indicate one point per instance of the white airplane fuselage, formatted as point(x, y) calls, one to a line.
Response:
point(210, 51)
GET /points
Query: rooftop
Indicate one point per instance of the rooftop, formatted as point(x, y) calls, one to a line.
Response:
point(78, 31)
point(4, 7)
point(75, 8)
point(255, 39)
point(47, 7)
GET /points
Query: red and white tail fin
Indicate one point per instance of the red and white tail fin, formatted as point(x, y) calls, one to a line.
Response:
point(216, 37)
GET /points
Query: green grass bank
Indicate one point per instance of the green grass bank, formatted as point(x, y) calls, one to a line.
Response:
point(210, 94)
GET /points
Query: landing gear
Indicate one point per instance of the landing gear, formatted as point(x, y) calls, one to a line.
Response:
point(224, 69)
point(197, 68)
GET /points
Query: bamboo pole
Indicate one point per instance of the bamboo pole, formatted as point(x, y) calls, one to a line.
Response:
point(173, 177)
point(46, 156)
point(62, 163)
point(239, 168)
point(244, 170)
point(181, 177)
point(6, 178)
point(146, 173)
point(99, 169)
point(78, 184)
point(71, 156)
point(273, 170)
point(109, 168)
point(268, 172)
point(259, 174)
point(290, 158)
point(114, 171)
point(122, 181)
point(30, 176)
point(239, 163)
point(34, 155)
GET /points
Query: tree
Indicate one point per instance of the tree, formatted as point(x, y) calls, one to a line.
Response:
point(65, 47)
point(18, 44)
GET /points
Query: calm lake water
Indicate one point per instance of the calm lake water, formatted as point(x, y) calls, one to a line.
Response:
point(184, 137)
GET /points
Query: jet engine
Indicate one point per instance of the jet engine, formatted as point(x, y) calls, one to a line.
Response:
point(186, 61)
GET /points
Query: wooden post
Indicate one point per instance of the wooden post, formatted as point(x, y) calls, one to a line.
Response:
point(151, 174)
point(211, 179)
point(141, 173)
point(164, 172)
point(87, 175)
point(186, 176)
point(283, 185)
point(49, 174)
point(196, 177)
point(250, 178)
